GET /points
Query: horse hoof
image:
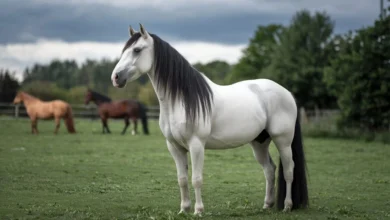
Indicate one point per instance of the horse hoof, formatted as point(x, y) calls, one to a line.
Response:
point(198, 214)
point(198, 211)
point(182, 212)
point(287, 209)
point(268, 206)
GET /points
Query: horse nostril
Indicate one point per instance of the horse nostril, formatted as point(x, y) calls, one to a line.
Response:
point(116, 76)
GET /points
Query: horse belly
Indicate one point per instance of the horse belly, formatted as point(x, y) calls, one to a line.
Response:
point(237, 122)
point(234, 134)
point(41, 111)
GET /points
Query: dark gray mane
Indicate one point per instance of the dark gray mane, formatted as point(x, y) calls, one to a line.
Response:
point(99, 97)
point(178, 79)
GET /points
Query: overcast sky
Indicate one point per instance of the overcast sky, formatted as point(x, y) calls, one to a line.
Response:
point(202, 30)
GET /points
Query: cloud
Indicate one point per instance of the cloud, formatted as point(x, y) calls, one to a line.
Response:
point(345, 7)
point(223, 21)
point(17, 57)
point(201, 29)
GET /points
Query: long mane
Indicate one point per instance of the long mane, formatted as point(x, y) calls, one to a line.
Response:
point(176, 78)
point(99, 96)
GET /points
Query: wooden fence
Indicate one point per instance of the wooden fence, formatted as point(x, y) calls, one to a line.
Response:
point(79, 111)
point(90, 111)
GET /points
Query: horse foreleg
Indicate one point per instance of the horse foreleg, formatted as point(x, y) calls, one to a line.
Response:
point(126, 125)
point(260, 151)
point(134, 131)
point(196, 147)
point(105, 127)
point(179, 154)
point(34, 122)
point(57, 122)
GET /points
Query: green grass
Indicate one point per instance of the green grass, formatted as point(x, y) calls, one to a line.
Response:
point(95, 176)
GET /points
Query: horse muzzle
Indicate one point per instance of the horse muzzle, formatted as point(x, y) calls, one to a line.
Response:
point(117, 80)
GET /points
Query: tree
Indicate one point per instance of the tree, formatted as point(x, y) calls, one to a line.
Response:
point(256, 56)
point(8, 86)
point(46, 91)
point(298, 62)
point(359, 76)
point(215, 70)
point(147, 95)
point(62, 73)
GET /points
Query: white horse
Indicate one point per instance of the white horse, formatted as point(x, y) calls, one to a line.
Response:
point(197, 114)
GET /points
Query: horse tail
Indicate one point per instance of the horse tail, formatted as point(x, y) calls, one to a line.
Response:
point(299, 192)
point(144, 117)
point(69, 119)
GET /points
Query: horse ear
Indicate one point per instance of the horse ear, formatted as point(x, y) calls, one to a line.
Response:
point(143, 31)
point(131, 31)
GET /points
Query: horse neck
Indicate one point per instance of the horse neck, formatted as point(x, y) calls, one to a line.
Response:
point(29, 99)
point(163, 98)
point(98, 102)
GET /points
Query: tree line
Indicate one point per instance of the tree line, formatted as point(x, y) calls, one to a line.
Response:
point(349, 71)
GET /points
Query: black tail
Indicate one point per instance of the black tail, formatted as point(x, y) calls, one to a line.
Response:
point(299, 192)
point(144, 118)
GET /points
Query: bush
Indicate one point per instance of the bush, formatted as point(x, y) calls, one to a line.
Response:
point(46, 91)
point(147, 95)
point(76, 95)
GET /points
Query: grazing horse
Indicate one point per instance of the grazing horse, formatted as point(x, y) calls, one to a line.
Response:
point(197, 114)
point(125, 109)
point(37, 109)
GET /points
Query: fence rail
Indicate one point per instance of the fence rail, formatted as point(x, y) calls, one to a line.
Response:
point(79, 111)
point(90, 111)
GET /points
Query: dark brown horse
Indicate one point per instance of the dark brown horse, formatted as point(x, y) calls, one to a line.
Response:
point(126, 109)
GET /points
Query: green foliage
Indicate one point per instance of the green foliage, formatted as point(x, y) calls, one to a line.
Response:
point(359, 76)
point(8, 86)
point(258, 54)
point(45, 91)
point(147, 95)
point(215, 70)
point(63, 73)
point(77, 94)
point(298, 62)
point(131, 91)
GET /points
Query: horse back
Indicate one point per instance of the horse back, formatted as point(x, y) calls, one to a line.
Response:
point(119, 109)
point(58, 107)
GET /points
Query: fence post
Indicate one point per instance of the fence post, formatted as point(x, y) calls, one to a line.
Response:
point(16, 111)
point(317, 113)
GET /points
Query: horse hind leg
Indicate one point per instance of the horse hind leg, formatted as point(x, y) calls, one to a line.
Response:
point(286, 169)
point(261, 153)
point(292, 187)
point(134, 131)
point(127, 122)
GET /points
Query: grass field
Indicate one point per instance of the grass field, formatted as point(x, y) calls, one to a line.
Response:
point(95, 176)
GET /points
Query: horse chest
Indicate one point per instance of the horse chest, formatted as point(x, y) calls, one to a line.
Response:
point(172, 130)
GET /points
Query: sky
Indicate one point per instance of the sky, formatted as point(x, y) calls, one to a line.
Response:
point(38, 31)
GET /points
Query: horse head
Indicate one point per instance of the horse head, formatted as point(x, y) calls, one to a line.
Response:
point(137, 58)
point(18, 98)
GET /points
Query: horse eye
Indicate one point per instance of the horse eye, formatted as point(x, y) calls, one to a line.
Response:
point(137, 50)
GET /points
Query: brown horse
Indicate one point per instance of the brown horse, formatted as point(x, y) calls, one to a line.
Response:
point(126, 109)
point(38, 109)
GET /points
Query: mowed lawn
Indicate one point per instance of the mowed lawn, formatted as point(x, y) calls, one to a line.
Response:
point(94, 176)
